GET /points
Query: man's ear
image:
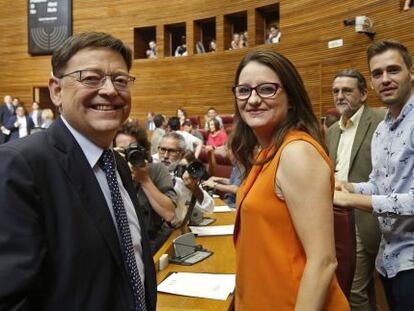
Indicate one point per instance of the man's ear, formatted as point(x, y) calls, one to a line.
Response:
point(55, 91)
point(412, 73)
point(364, 95)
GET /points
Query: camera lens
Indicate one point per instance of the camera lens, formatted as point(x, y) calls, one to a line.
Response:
point(136, 158)
point(136, 155)
point(196, 169)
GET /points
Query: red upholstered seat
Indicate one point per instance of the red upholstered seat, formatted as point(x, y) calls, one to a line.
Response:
point(205, 158)
point(345, 245)
point(204, 133)
point(227, 122)
point(195, 121)
point(221, 165)
point(333, 112)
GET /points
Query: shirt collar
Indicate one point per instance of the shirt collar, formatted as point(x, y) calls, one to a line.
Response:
point(354, 120)
point(92, 152)
point(408, 107)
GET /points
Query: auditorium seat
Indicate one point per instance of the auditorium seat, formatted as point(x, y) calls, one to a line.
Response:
point(205, 158)
point(221, 165)
point(204, 133)
point(195, 121)
point(333, 112)
point(345, 245)
point(227, 122)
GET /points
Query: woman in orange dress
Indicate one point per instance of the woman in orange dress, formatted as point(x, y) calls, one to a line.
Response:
point(284, 236)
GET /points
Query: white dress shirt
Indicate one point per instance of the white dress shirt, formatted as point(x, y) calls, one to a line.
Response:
point(93, 153)
point(346, 141)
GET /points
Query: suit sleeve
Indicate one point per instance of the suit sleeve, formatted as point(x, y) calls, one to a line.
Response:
point(2, 117)
point(10, 123)
point(22, 246)
point(30, 123)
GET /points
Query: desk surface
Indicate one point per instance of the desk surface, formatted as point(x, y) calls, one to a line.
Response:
point(222, 261)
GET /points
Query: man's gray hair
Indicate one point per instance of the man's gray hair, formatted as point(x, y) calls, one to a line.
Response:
point(179, 137)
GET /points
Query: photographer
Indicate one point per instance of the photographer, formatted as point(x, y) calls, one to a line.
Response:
point(154, 187)
point(171, 151)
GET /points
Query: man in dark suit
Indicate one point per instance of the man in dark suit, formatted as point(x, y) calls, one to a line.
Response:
point(70, 235)
point(36, 114)
point(349, 142)
point(6, 111)
point(20, 124)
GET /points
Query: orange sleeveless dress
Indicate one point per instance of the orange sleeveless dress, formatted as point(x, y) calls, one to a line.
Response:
point(269, 255)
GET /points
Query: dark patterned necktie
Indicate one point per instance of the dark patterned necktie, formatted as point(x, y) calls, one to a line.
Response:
point(107, 164)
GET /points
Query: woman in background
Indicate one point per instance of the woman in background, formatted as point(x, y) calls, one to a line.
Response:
point(217, 136)
point(182, 115)
point(284, 236)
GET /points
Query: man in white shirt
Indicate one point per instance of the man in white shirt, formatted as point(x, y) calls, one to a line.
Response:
point(349, 142)
point(192, 143)
point(36, 114)
point(20, 124)
point(211, 115)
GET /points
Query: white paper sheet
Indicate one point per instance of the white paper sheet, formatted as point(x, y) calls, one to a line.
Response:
point(223, 209)
point(203, 285)
point(212, 230)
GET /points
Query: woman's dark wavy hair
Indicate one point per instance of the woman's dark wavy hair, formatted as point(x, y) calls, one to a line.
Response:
point(216, 124)
point(300, 115)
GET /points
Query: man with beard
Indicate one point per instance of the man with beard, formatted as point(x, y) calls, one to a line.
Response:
point(171, 151)
point(349, 142)
point(389, 192)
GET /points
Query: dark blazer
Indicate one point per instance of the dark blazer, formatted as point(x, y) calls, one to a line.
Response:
point(360, 167)
point(38, 118)
point(5, 115)
point(14, 131)
point(59, 249)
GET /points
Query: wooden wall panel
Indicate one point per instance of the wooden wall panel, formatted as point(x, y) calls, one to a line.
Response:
point(199, 81)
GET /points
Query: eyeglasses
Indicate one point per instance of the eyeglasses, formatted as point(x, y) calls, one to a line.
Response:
point(163, 150)
point(96, 79)
point(264, 90)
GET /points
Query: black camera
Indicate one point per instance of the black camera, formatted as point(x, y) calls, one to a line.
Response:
point(195, 169)
point(349, 22)
point(136, 155)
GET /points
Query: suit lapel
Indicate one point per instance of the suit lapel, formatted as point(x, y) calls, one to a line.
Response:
point(334, 137)
point(81, 176)
point(363, 126)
